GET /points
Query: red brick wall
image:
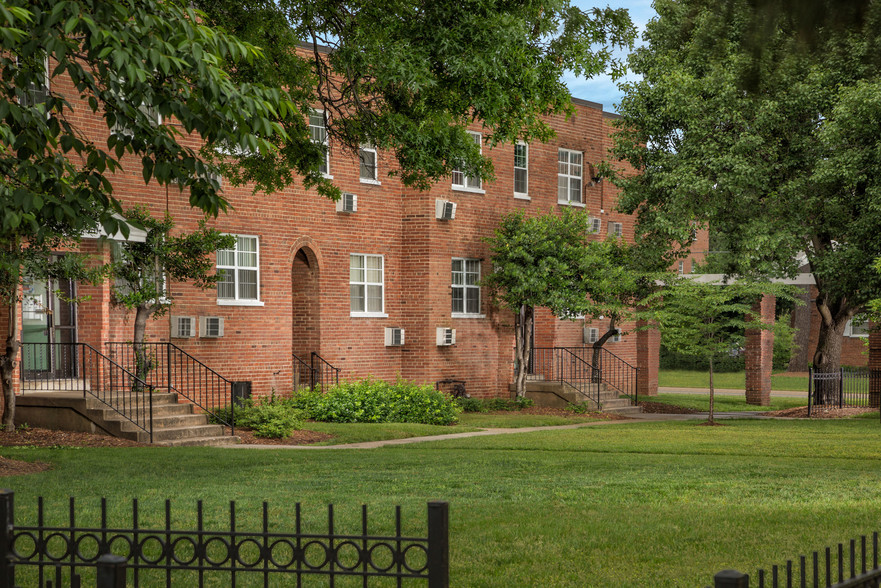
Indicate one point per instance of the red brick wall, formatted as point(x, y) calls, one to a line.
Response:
point(759, 354)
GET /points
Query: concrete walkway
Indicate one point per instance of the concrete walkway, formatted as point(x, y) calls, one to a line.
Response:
point(641, 417)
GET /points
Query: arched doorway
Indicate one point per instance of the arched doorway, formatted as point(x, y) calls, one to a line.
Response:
point(306, 313)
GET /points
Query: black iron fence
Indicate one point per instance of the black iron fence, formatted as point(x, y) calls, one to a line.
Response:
point(80, 368)
point(317, 372)
point(165, 366)
point(844, 388)
point(850, 566)
point(136, 555)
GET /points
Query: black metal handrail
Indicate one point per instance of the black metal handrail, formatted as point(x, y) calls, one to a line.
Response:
point(611, 370)
point(303, 374)
point(323, 373)
point(79, 367)
point(167, 366)
point(560, 364)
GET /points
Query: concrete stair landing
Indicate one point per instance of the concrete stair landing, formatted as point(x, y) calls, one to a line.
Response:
point(174, 423)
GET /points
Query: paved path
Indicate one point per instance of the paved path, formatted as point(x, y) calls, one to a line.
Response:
point(489, 432)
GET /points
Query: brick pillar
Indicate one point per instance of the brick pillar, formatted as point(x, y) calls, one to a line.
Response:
point(648, 350)
point(874, 366)
point(760, 354)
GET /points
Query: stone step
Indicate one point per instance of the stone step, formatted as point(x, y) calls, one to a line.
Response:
point(170, 422)
point(624, 410)
point(172, 433)
point(201, 442)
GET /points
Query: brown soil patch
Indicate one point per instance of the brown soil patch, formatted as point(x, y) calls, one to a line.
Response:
point(801, 412)
point(36, 437)
point(14, 467)
point(298, 438)
point(661, 408)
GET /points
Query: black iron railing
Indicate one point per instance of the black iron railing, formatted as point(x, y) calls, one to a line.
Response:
point(563, 365)
point(844, 388)
point(80, 368)
point(610, 369)
point(586, 370)
point(198, 557)
point(317, 373)
point(165, 366)
point(849, 566)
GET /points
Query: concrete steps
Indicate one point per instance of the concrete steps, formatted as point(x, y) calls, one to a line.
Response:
point(557, 395)
point(174, 423)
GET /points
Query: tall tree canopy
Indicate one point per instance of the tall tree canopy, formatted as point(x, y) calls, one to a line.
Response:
point(784, 168)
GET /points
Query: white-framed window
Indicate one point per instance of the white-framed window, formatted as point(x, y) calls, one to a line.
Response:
point(466, 286)
point(594, 224)
point(239, 271)
point(147, 276)
point(856, 328)
point(318, 134)
point(367, 160)
point(521, 171)
point(366, 285)
point(616, 338)
point(591, 334)
point(681, 266)
point(461, 181)
point(616, 229)
point(36, 93)
point(151, 112)
point(569, 176)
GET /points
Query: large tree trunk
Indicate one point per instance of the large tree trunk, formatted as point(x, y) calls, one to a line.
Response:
point(523, 347)
point(7, 365)
point(827, 357)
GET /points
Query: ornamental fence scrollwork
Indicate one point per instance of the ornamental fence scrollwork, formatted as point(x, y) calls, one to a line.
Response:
point(136, 555)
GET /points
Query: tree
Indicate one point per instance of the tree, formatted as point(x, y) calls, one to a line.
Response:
point(780, 172)
point(143, 270)
point(409, 76)
point(544, 261)
point(707, 320)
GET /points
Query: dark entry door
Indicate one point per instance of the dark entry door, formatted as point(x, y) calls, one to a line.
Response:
point(48, 318)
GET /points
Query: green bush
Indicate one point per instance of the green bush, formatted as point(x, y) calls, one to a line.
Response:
point(471, 404)
point(273, 418)
point(376, 401)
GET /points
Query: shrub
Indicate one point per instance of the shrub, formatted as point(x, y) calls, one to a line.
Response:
point(376, 401)
point(273, 418)
point(471, 404)
point(495, 404)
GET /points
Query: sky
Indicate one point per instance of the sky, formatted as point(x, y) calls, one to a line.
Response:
point(601, 88)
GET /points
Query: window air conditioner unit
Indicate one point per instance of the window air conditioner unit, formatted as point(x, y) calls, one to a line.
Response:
point(211, 327)
point(183, 327)
point(591, 334)
point(446, 337)
point(394, 337)
point(445, 210)
point(594, 225)
point(348, 202)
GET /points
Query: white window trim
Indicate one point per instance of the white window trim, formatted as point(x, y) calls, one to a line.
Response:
point(241, 301)
point(365, 313)
point(464, 187)
point(521, 195)
point(579, 203)
point(326, 142)
point(375, 180)
point(848, 330)
point(464, 261)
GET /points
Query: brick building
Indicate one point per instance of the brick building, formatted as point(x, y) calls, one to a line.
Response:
point(372, 284)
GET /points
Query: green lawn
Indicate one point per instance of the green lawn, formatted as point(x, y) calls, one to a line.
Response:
point(696, 379)
point(724, 403)
point(633, 504)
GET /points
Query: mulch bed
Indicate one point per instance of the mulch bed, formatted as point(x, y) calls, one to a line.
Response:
point(298, 438)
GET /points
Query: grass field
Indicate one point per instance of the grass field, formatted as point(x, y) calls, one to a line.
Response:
point(695, 379)
point(633, 504)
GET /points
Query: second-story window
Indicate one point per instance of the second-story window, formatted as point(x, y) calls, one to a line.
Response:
point(463, 181)
point(521, 170)
point(569, 176)
point(318, 134)
point(367, 159)
point(466, 286)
